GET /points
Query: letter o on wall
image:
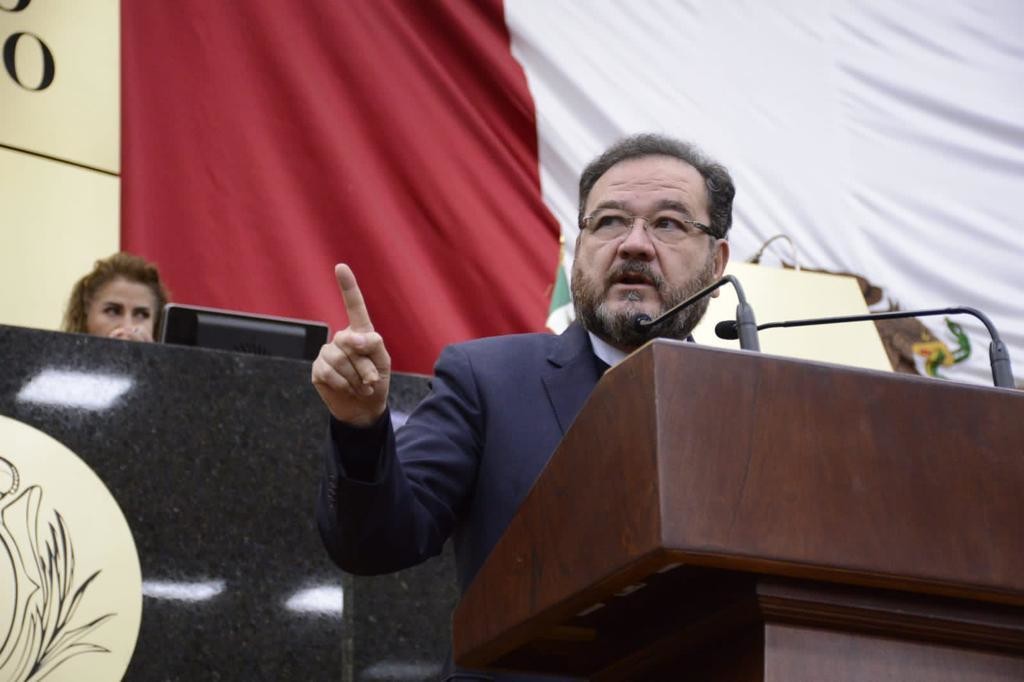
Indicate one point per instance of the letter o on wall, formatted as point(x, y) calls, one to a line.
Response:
point(18, 6)
point(10, 63)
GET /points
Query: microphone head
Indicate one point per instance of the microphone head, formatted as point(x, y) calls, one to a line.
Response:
point(641, 322)
point(727, 329)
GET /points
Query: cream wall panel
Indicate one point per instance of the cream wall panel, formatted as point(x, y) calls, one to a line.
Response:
point(55, 220)
point(77, 117)
point(777, 295)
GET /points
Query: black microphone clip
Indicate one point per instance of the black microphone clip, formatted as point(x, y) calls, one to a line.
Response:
point(728, 330)
point(641, 322)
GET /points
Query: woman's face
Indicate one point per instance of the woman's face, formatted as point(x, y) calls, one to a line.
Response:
point(122, 309)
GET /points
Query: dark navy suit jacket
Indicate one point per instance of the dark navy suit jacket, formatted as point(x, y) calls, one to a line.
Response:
point(464, 460)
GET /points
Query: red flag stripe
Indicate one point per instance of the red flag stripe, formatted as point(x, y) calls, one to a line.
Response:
point(265, 141)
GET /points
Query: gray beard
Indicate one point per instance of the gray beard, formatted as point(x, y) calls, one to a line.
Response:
point(590, 302)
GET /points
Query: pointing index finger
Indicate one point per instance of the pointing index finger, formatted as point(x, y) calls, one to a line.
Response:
point(358, 317)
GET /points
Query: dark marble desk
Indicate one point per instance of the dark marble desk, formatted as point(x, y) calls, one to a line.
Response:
point(214, 459)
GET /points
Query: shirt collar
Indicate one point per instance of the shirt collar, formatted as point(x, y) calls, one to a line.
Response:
point(609, 354)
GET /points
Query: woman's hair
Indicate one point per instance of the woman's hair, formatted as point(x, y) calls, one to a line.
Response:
point(120, 265)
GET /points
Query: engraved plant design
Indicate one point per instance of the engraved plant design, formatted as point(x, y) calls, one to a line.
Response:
point(36, 624)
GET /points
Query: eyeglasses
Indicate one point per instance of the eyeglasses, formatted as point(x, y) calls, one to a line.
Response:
point(667, 227)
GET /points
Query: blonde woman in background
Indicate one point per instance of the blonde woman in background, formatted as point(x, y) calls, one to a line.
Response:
point(121, 298)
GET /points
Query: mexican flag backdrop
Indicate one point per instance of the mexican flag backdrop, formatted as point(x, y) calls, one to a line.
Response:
point(435, 146)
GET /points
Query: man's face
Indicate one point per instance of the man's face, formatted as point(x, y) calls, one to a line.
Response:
point(614, 280)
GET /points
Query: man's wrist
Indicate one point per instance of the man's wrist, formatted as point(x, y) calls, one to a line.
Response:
point(359, 447)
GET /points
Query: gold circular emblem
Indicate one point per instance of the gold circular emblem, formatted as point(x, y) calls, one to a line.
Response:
point(70, 584)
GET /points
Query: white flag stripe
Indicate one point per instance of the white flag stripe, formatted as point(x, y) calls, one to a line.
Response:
point(886, 139)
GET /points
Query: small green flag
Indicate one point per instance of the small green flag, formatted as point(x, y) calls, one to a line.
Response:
point(560, 314)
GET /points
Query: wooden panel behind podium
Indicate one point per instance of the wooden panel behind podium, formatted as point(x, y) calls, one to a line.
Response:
point(730, 514)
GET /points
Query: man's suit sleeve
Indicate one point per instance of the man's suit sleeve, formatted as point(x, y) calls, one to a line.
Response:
point(390, 500)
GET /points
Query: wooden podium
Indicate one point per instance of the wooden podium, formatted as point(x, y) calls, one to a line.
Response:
point(722, 515)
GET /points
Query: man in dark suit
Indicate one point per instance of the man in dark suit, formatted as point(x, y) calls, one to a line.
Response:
point(654, 213)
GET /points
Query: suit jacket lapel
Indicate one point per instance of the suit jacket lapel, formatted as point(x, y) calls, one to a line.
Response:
point(573, 375)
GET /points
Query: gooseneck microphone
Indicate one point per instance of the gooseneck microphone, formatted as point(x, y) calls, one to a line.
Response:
point(744, 324)
point(999, 356)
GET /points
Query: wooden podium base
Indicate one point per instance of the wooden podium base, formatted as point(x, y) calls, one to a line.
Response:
point(732, 627)
point(788, 631)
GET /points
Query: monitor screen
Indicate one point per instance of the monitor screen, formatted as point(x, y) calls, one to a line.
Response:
point(242, 332)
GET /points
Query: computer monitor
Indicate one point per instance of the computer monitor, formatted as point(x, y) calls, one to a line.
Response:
point(231, 330)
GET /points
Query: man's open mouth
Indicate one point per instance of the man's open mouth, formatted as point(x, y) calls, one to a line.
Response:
point(633, 278)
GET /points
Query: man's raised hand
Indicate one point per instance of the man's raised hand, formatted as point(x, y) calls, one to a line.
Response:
point(352, 373)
